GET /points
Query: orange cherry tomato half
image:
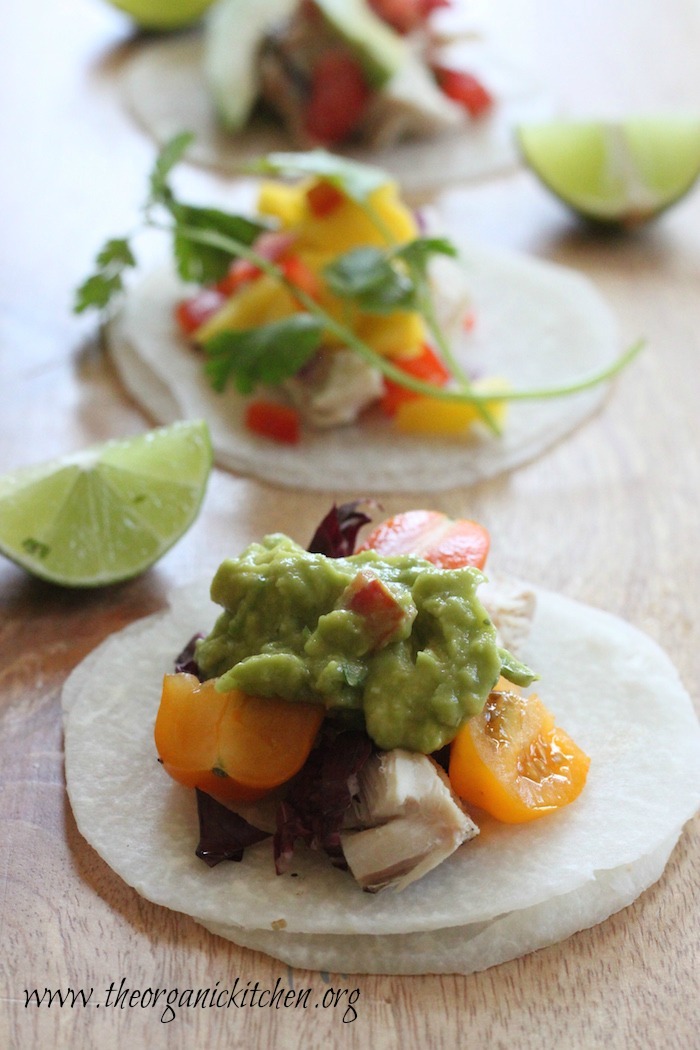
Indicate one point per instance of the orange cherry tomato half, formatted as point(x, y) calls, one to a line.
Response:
point(514, 762)
point(450, 543)
point(230, 745)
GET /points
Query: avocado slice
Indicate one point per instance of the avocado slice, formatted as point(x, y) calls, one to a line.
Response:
point(234, 32)
point(380, 50)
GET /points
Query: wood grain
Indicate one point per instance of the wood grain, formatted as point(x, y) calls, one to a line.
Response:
point(608, 516)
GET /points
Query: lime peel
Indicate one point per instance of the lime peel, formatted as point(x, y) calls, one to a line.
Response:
point(106, 513)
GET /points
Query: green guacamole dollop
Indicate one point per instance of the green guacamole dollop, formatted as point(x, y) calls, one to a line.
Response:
point(287, 631)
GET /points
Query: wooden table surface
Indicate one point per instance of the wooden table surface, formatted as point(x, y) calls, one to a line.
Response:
point(609, 516)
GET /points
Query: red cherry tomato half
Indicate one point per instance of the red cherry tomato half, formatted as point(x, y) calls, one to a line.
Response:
point(450, 543)
point(465, 89)
point(191, 313)
point(339, 95)
point(426, 365)
point(272, 420)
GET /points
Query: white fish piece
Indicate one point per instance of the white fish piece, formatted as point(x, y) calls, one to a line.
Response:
point(335, 388)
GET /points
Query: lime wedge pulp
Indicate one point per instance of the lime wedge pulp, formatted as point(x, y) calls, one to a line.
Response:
point(107, 513)
point(620, 173)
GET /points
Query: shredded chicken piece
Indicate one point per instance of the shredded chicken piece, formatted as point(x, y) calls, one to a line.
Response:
point(409, 106)
point(511, 605)
point(411, 821)
point(284, 92)
point(288, 56)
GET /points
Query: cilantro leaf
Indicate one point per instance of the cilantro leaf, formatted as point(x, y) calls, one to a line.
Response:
point(380, 281)
point(116, 253)
point(356, 180)
point(201, 262)
point(369, 277)
point(97, 291)
point(266, 354)
point(170, 155)
point(417, 253)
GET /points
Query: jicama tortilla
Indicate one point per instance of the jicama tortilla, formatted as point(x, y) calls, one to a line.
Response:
point(537, 325)
point(165, 90)
point(509, 891)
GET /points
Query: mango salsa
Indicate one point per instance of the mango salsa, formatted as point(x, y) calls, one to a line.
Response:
point(324, 223)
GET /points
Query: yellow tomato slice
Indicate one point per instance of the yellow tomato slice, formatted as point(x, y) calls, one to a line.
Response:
point(229, 744)
point(514, 762)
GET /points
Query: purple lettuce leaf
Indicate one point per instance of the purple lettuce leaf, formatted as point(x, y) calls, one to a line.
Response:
point(337, 533)
point(315, 807)
point(223, 835)
point(185, 661)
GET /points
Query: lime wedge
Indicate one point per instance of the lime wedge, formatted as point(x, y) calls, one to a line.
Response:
point(163, 14)
point(109, 512)
point(621, 173)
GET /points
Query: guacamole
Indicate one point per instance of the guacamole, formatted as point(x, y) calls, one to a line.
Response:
point(397, 640)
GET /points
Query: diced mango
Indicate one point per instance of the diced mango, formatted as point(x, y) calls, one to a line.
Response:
point(287, 204)
point(318, 240)
point(399, 334)
point(261, 302)
point(432, 415)
point(349, 225)
point(389, 220)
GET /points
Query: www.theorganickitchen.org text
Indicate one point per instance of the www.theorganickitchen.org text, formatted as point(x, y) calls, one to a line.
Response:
point(166, 1002)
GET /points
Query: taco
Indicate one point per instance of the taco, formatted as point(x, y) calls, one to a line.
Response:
point(506, 891)
point(386, 83)
point(331, 335)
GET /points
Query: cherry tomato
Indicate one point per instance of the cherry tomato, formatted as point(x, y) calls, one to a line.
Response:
point(302, 276)
point(240, 272)
point(228, 744)
point(324, 198)
point(339, 96)
point(406, 15)
point(272, 420)
point(448, 542)
point(426, 365)
point(514, 762)
point(191, 313)
point(465, 89)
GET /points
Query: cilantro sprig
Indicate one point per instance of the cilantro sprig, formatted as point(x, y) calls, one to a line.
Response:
point(108, 279)
point(206, 240)
point(266, 354)
point(357, 181)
